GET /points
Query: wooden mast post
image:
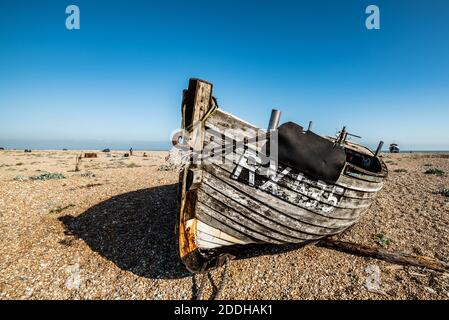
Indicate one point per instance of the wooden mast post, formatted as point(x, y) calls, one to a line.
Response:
point(196, 102)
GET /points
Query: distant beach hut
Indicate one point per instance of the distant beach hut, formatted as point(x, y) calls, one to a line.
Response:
point(90, 155)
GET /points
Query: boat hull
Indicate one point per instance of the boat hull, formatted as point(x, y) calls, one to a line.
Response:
point(226, 203)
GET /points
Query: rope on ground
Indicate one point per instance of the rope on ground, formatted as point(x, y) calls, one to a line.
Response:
point(224, 278)
point(200, 290)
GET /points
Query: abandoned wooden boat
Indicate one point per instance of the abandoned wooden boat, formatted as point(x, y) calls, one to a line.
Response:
point(244, 185)
point(394, 148)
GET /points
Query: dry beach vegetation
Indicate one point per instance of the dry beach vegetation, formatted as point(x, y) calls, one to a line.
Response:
point(107, 232)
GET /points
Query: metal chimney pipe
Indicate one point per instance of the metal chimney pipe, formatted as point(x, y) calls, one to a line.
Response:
point(310, 126)
point(379, 147)
point(274, 119)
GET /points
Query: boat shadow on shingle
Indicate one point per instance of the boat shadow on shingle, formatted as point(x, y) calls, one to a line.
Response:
point(135, 231)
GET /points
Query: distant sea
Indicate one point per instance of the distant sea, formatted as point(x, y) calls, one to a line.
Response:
point(121, 145)
point(420, 151)
point(85, 145)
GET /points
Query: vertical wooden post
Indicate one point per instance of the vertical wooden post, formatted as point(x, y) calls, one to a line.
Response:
point(196, 103)
point(77, 163)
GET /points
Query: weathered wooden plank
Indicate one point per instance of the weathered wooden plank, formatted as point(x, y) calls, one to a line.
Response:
point(357, 184)
point(219, 142)
point(202, 97)
point(207, 238)
point(351, 172)
point(208, 241)
point(206, 229)
point(237, 221)
point(235, 225)
point(257, 222)
point(203, 216)
point(226, 122)
point(360, 190)
point(266, 203)
point(208, 245)
point(401, 258)
point(298, 184)
point(347, 195)
point(287, 196)
point(324, 193)
point(303, 221)
point(275, 220)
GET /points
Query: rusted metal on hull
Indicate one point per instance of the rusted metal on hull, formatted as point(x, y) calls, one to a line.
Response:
point(225, 202)
point(186, 233)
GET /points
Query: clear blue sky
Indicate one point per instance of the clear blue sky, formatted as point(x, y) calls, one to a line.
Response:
point(119, 78)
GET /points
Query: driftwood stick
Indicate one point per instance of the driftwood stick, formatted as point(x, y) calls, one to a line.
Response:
point(386, 255)
point(78, 162)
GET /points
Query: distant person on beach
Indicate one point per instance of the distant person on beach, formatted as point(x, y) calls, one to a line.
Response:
point(130, 151)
